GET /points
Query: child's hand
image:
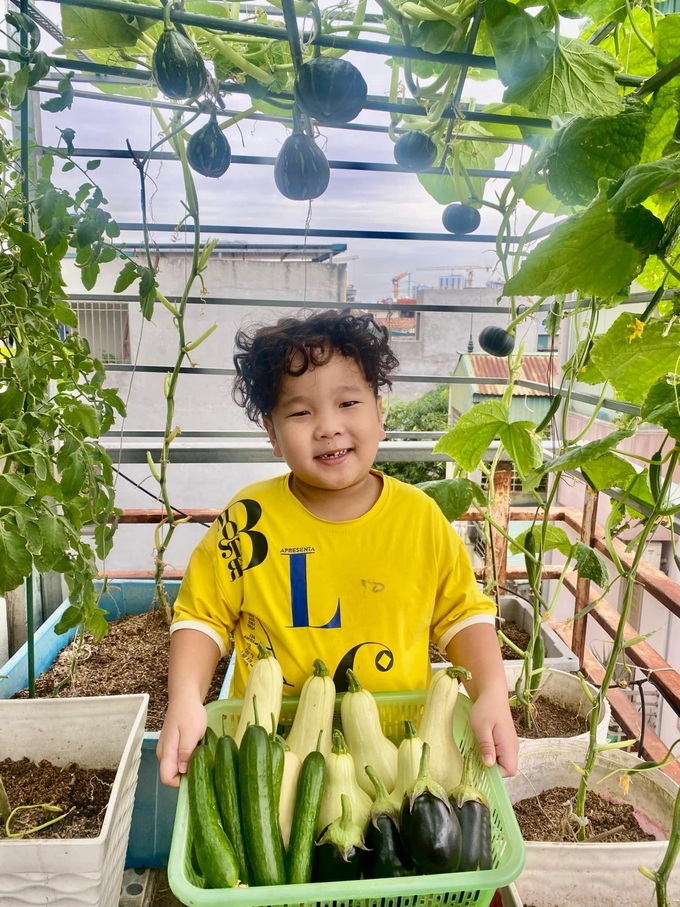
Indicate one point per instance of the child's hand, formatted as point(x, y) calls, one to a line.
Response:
point(492, 725)
point(184, 725)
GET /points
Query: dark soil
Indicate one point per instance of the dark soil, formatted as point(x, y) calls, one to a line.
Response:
point(131, 658)
point(516, 635)
point(549, 719)
point(546, 817)
point(80, 796)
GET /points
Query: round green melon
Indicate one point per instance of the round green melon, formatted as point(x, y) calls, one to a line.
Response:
point(208, 151)
point(330, 90)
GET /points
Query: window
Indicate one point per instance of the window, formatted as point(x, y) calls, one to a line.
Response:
point(106, 327)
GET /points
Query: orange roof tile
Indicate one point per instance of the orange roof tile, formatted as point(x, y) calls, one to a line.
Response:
point(537, 367)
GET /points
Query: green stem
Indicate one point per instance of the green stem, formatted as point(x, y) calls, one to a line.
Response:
point(222, 46)
point(636, 28)
point(619, 638)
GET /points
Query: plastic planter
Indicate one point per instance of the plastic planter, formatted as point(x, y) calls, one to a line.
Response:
point(599, 874)
point(155, 804)
point(95, 732)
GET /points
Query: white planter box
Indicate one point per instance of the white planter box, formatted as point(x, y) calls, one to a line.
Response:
point(597, 874)
point(95, 732)
point(565, 689)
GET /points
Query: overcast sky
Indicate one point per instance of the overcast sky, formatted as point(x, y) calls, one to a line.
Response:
point(246, 194)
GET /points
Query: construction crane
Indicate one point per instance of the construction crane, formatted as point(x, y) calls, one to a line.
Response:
point(395, 284)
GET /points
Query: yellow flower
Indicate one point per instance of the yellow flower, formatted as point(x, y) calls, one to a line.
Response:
point(636, 330)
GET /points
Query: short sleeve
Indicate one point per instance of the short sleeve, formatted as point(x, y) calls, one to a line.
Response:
point(460, 602)
point(201, 602)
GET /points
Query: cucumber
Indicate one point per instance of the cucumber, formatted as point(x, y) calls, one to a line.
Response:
point(227, 788)
point(214, 853)
point(259, 809)
point(278, 748)
point(305, 818)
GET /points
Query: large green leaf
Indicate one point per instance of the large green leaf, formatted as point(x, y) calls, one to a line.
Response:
point(54, 547)
point(579, 79)
point(587, 149)
point(89, 28)
point(15, 558)
point(585, 252)
point(555, 538)
point(662, 407)
point(582, 454)
point(590, 564)
point(522, 45)
point(644, 180)
point(632, 364)
point(453, 496)
point(663, 118)
point(609, 471)
point(470, 437)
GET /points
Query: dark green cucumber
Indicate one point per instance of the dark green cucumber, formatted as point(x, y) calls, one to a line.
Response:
point(214, 853)
point(210, 738)
point(305, 818)
point(227, 788)
point(259, 809)
point(278, 746)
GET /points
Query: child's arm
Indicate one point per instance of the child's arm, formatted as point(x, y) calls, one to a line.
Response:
point(476, 648)
point(193, 659)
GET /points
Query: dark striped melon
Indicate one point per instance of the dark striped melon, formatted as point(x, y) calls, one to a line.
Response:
point(208, 151)
point(330, 90)
point(177, 66)
point(301, 170)
point(415, 151)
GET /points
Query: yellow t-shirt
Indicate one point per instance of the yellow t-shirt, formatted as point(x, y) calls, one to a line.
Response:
point(367, 594)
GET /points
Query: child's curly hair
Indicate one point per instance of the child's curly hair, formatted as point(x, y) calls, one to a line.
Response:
point(268, 353)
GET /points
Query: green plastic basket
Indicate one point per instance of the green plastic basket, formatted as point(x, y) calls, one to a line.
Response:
point(460, 889)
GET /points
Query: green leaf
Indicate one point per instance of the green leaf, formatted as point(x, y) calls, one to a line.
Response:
point(522, 444)
point(590, 564)
point(609, 471)
point(89, 275)
point(663, 118)
point(582, 253)
point(82, 417)
point(453, 496)
point(13, 489)
point(15, 559)
point(555, 538)
point(92, 165)
point(468, 155)
point(19, 86)
point(662, 407)
point(522, 45)
point(587, 149)
point(582, 454)
point(579, 80)
point(54, 546)
point(129, 273)
point(633, 365)
point(68, 135)
point(88, 28)
point(645, 180)
point(470, 437)
point(69, 620)
point(63, 101)
point(468, 440)
point(73, 473)
point(147, 291)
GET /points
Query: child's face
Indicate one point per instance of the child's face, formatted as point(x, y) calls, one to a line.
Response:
point(327, 424)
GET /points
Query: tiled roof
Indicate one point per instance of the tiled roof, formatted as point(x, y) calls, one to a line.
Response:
point(537, 367)
point(397, 323)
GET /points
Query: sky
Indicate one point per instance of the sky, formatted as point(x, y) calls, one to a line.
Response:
point(246, 194)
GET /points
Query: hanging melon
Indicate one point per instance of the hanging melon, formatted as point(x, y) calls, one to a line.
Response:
point(208, 151)
point(330, 90)
point(301, 171)
point(177, 66)
point(415, 151)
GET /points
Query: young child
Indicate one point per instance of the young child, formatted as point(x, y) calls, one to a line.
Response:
point(333, 560)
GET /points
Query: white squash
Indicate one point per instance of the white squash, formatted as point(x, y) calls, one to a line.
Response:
point(289, 781)
point(436, 726)
point(312, 726)
point(264, 689)
point(341, 779)
point(364, 736)
point(408, 763)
